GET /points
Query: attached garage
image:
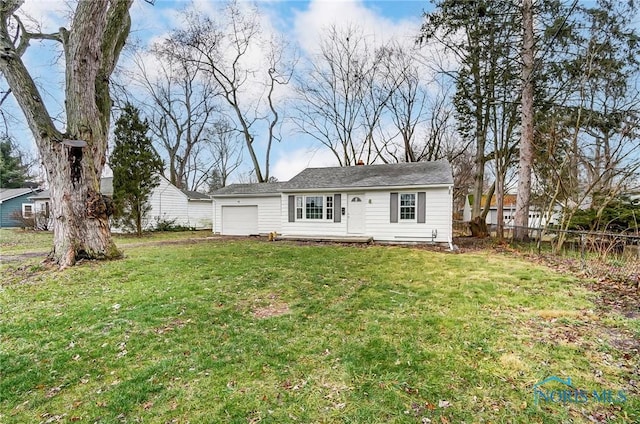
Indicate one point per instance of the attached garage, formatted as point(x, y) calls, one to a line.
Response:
point(240, 220)
point(247, 209)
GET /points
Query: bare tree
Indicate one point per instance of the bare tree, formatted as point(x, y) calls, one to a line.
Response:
point(180, 104)
point(226, 51)
point(589, 135)
point(406, 107)
point(340, 101)
point(226, 150)
point(73, 158)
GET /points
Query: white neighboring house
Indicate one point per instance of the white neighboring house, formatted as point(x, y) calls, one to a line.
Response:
point(168, 203)
point(537, 218)
point(402, 202)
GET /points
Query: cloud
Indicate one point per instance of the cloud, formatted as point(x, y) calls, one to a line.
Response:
point(46, 19)
point(291, 162)
point(309, 24)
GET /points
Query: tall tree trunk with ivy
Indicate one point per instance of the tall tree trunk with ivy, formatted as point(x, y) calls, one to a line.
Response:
point(73, 159)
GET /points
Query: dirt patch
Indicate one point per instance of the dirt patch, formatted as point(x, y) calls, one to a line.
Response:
point(274, 308)
point(22, 256)
point(271, 310)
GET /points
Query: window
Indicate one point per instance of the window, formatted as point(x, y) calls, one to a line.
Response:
point(27, 210)
point(299, 207)
point(313, 207)
point(408, 206)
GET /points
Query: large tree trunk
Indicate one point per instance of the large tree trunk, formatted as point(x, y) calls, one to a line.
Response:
point(80, 213)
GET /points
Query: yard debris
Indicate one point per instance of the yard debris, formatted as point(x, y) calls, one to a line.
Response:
point(444, 404)
point(53, 391)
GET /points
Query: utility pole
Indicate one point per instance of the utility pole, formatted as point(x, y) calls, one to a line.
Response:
point(526, 142)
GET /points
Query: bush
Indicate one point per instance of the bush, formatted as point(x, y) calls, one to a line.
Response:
point(25, 222)
point(170, 225)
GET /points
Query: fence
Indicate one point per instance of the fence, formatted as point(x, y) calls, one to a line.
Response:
point(600, 254)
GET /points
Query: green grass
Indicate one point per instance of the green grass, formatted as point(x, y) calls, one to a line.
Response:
point(248, 331)
point(17, 241)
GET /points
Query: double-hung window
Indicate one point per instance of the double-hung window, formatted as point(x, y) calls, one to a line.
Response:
point(407, 206)
point(27, 210)
point(329, 209)
point(299, 210)
point(314, 207)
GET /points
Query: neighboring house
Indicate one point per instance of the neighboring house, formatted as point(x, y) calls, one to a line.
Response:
point(15, 201)
point(403, 202)
point(168, 204)
point(537, 217)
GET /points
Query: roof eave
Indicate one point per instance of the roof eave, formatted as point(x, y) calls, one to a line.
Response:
point(368, 188)
point(246, 195)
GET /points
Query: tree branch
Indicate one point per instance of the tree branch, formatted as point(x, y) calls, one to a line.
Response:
point(19, 80)
point(27, 36)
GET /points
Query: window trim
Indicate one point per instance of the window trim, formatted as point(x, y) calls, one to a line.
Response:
point(31, 213)
point(301, 207)
point(414, 207)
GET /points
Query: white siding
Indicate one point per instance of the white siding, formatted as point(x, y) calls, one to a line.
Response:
point(200, 214)
point(439, 210)
point(269, 211)
point(168, 203)
point(314, 227)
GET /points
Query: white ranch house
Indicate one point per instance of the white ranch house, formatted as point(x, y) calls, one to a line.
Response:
point(168, 203)
point(404, 202)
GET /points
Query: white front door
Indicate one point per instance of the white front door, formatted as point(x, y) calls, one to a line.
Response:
point(355, 213)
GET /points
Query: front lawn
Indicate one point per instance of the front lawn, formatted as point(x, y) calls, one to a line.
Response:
point(249, 331)
point(15, 241)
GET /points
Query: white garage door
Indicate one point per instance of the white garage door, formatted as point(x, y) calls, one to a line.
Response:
point(239, 220)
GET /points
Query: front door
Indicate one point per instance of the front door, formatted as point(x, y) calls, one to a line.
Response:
point(355, 213)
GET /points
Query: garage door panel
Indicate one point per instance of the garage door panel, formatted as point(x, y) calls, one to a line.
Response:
point(240, 220)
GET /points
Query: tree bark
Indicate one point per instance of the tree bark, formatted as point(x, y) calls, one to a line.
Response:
point(80, 213)
point(521, 218)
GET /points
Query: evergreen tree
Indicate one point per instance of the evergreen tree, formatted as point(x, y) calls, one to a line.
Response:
point(13, 172)
point(136, 168)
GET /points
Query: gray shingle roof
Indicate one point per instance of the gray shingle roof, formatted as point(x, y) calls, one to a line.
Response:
point(368, 176)
point(10, 193)
point(249, 189)
point(195, 195)
point(43, 195)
